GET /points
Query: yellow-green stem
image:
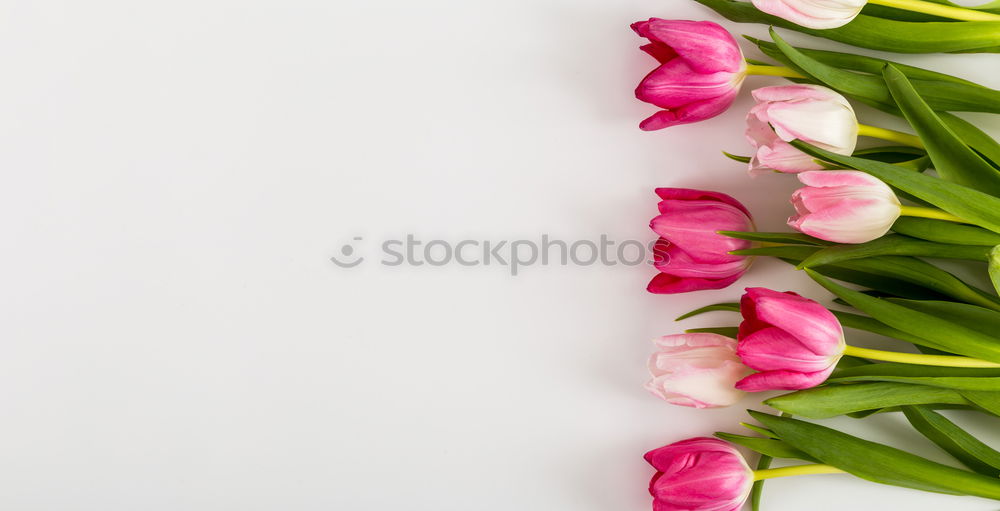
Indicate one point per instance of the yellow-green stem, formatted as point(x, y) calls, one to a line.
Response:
point(797, 470)
point(933, 213)
point(919, 359)
point(753, 69)
point(865, 130)
point(944, 11)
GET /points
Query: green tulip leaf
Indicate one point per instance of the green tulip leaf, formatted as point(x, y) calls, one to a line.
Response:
point(987, 384)
point(736, 157)
point(862, 63)
point(940, 95)
point(876, 462)
point(833, 400)
point(758, 486)
point(793, 238)
point(894, 245)
point(954, 440)
point(953, 159)
point(977, 139)
point(727, 331)
point(994, 268)
point(728, 307)
point(953, 337)
point(989, 401)
point(977, 318)
point(913, 371)
point(766, 446)
point(940, 231)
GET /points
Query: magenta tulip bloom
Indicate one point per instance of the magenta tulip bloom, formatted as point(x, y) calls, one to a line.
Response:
point(698, 370)
point(809, 113)
point(700, 73)
point(699, 474)
point(819, 14)
point(690, 254)
point(793, 341)
point(844, 206)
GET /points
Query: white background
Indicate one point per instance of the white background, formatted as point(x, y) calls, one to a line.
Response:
point(177, 174)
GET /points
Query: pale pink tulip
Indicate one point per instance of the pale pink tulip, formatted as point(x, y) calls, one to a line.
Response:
point(698, 370)
point(809, 113)
point(818, 14)
point(690, 254)
point(844, 206)
point(794, 342)
point(699, 474)
point(700, 73)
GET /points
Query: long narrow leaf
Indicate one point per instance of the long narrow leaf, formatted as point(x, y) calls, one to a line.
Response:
point(953, 337)
point(895, 245)
point(911, 370)
point(729, 307)
point(833, 400)
point(953, 159)
point(940, 231)
point(766, 446)
point(944, 382)
point(863, 63)
point(954, 440)
point(940, 95)
point(876, 462)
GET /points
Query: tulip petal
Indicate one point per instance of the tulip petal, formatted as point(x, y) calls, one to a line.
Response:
point(688, 194)
point(663, 283)
point(809, 322)
point(772, 348)
point(674, 85)
point(688, 114)
point(797, 92)
point(782, 380)
point(823, 123)
point(659, 51)
point(815, 14)
point(782, 157)
point(706, 46)
point(831, 178)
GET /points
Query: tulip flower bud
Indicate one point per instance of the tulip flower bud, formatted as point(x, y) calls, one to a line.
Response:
point(818, 14)
point(700, 73)
point(844, 206)
point(690, 254)
point(794, 342)
point(699, 474)
point(698, 370)
point(809, 113)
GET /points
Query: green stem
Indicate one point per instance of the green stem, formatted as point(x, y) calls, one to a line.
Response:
point(797, 470)
point(919, 359)
point(944, 11)
point(865, 130)
point(753, 69)
point(933, 213)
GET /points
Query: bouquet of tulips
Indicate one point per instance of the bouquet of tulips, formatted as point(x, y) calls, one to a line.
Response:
point(869, 226)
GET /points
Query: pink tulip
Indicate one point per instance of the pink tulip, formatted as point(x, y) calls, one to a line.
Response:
point(809, 113)
point(699, 474)
point(818, 14)
point(844, 206)
point(794, 342)
point(700, 73)
point(690, 254)
point(698, 370)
